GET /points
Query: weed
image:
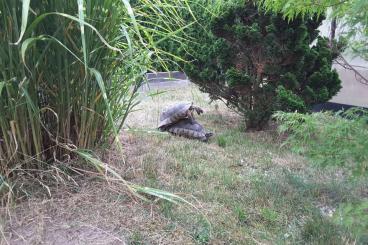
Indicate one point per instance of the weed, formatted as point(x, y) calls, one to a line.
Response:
point(192, 171)
point(320, 231)
point(137, 238)
point(269, 215)
point(229, 180)
point(221, 141)
point(167, 209)
point(240, 214)
point(150, 168)
point(202, 232)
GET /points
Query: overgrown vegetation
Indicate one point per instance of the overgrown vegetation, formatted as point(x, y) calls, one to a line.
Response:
point(328, 139)
point(69, 72)
point(352, 15)
point(337, 141)
point(57, 73)
point(258, 62)
point(246, 189)
point(250, 190)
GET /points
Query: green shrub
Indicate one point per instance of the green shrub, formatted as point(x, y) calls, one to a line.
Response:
point(329, 139)
point(240, 214)
point(269, 215)
point(258, 62)
point(352, 15)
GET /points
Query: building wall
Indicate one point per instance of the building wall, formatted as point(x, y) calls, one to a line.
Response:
point(353, 92)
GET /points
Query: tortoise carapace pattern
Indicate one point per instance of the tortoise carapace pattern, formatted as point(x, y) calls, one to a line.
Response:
point(179, 120)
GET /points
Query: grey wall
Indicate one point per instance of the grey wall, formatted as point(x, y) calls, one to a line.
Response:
point(353, 92)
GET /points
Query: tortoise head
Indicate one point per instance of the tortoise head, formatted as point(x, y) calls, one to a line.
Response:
point(208, 135)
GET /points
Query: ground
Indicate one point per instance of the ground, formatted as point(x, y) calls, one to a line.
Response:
point(244, 188)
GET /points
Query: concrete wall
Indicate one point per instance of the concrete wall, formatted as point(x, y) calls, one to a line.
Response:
point(353, 92)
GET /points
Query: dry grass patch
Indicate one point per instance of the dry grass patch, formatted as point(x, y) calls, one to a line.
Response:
point(93, 213)
point(247, 189)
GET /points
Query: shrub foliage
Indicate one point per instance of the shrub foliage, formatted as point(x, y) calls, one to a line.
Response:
point(328, 139)
point(259, 62)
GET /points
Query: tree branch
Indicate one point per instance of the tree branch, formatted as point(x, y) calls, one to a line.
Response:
point(345, 64)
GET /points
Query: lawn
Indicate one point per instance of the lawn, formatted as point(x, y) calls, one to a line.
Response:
point(245, 188)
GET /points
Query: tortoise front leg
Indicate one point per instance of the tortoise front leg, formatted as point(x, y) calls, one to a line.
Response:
point(190, 116)
point(197, 109)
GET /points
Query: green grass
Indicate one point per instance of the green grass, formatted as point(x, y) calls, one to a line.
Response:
point(261, 200)
point(248, 189)
point(137, 238)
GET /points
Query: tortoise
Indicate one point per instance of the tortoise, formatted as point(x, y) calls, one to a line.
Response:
point(177, 112)
point(189, 128)
point(179, 120)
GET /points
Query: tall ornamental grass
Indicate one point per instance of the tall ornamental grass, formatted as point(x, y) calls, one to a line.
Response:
point(69, 72)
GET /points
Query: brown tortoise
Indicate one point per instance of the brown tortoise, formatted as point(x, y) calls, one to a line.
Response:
point(179, 120)
point(189, 128)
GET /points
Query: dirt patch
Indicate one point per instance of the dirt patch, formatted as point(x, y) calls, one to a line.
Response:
point(96, 214)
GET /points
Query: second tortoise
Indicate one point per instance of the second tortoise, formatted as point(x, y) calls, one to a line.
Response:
point(179, 120)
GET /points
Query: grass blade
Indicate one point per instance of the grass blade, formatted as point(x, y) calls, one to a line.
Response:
point(25, 11)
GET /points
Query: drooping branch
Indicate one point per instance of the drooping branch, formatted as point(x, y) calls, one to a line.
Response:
point(340, 60)
point(345, 64)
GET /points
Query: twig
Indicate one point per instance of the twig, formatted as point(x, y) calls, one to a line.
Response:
point(345, 64)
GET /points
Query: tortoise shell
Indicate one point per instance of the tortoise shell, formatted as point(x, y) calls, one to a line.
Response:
point(189, 128)
point(174, 113)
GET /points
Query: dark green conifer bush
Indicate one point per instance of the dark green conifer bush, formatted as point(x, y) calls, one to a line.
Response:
point(259, 62)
